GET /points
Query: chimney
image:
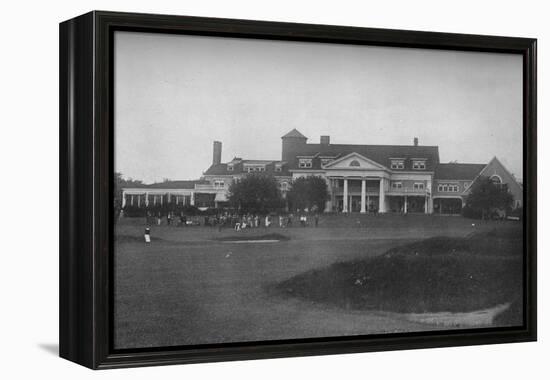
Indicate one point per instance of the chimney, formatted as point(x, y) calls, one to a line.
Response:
point(415, 141)
point(217, 156)
point(325, 140)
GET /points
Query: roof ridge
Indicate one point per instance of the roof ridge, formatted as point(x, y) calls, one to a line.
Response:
point(380, 145)
point(294, 133)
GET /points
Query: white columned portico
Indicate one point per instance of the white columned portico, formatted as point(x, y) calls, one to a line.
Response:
point(363, 196)
point(381, 197)
point(345, 198)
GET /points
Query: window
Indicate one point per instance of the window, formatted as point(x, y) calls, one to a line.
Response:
point(304, 163)
point(230, 167)
point(396, 185)
point(496, 179)
point(418, 186)
point(219, 184)
point(448, 187)
point(284, 186)
point(397, 164)
point(419, 164)
point(254, 168)
point(466, 184)
point(325, 161)
point(354, 163)
point(278, 167)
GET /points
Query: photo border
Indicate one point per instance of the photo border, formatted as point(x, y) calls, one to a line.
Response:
point(86, 183)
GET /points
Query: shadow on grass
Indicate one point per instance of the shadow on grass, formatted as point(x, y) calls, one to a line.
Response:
point(440, 274)
point(273, 236)
point(134, 239)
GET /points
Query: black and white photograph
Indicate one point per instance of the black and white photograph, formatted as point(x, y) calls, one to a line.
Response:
point(269, 190)
point(290, 189)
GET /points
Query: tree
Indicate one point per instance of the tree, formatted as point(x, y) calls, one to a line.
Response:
point(487, 196)
point(255, 193)
point(308, 192)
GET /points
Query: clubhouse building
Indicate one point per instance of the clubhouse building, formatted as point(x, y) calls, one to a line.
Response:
point(360, 178)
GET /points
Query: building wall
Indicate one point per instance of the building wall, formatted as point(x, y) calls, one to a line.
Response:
point(291, 147)
point(495, 167)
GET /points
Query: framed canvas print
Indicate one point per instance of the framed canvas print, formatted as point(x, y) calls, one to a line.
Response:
point(238, 189)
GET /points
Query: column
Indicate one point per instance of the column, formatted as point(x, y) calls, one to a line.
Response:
point(405, 205)
point(332, 194)
point(345, 197)
point(430, 200)
point(363, 196)
point(146, 199)
point(123, 198)
point(426, 204)
point(381, 197)
point(192, 200)
point(139, 200)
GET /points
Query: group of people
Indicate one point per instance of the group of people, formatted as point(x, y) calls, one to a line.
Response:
point(282, 221)
point(233, 220)
point(171, 218)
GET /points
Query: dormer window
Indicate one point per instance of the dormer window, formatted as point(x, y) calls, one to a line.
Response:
point(326, 161)
point(304, 163)
point(448, 188)
point(419, 164)
point(278, 167)
point(398, 164)
point(254, 168)
point(230, 167)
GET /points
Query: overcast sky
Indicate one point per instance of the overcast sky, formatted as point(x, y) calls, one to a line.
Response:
point(175, 95)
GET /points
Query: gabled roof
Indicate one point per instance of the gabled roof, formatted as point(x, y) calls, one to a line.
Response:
point(456, 171)
point(381, 154)
point(355, 156)
point(294, 133)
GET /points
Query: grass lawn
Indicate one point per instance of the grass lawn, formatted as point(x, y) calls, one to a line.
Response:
point(439, 274)
point(195, 285)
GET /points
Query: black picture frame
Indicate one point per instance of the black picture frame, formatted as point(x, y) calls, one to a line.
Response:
point(86, 168)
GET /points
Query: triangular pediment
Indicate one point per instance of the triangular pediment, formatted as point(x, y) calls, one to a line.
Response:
point(355, 161)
